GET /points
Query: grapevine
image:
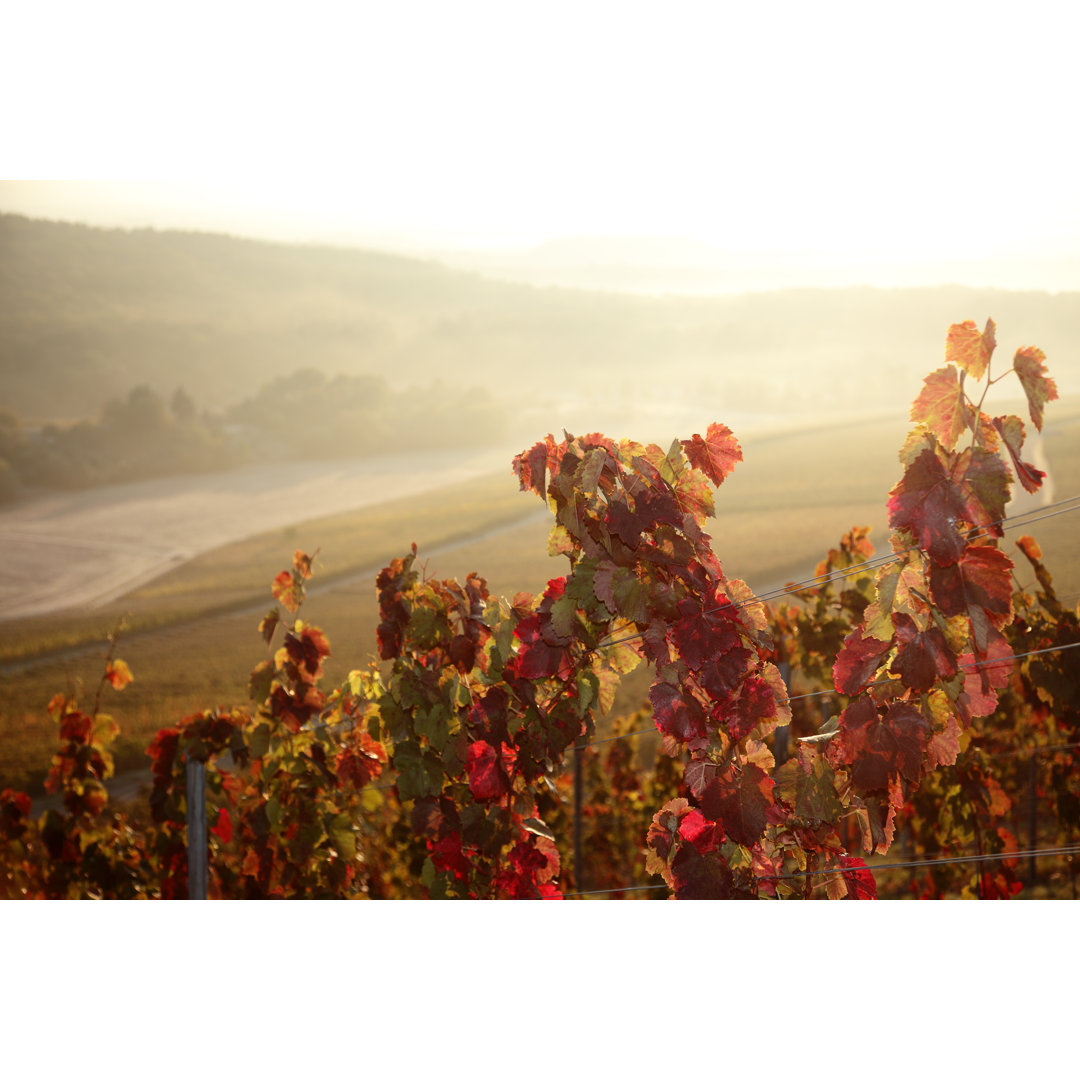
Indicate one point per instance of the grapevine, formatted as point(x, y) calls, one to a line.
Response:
point(927, 699)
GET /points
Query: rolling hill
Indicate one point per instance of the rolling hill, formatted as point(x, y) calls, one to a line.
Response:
point(88, 313)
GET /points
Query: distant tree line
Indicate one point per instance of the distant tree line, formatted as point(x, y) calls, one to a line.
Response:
point(137, 437)
point(305, 415)
point(311, 415)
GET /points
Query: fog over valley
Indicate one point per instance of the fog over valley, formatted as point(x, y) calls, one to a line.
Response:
point(88, 314)
point(137, 365)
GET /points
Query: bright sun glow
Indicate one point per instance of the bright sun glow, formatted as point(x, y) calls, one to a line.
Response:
point(835, 134)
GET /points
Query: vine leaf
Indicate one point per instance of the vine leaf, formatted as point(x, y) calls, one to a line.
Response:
point(715, 455)
point(982, 683)
point(1011, 429)
point(755, 702)
point(923, 656)
point(703, 636)
point(740, 801)
point(698, 773)
point(287, 590)
point(223, 829)
point(942, 406)
point(676, 713)
point(944, 745)
point(1030, 365)
point(537, 659)
point(980, 579)
point(927, 502)
point(118, 674)
point(486, 770)
point(701, 877)
point(696, 829)
point(807, 783)
point(620, 591)
point(302, 564)
point(984, 482)
point(859, 880)
point(969, 349)
point(269, 624)
point(882, 747)
point(858, 660)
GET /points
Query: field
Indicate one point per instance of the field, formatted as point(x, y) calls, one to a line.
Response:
point(192, 637)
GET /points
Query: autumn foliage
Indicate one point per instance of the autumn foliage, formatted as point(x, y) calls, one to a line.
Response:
point(477, 703)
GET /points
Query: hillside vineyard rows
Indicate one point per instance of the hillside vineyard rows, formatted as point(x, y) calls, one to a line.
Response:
point(925, 684)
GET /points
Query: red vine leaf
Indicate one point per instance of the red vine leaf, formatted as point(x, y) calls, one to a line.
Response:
point(982, 682)
point(981, 579)
point(360, 761)
point(651, 507)
point(306, 651)
point(858, 661)
point(739, 801)
point(715, 455)
point(881, 747)
point(703, 636)
point(705, 835)
point(448, 857)
point(859, 880)
point(701, 877)
point(755, 702)
point(928, 503)
point(486, 767)
point(531, 466)
point(287, 590)
point(223, 830)
point(537, 659)
point(923, 657)
point(1011, 429)
point(677, 713)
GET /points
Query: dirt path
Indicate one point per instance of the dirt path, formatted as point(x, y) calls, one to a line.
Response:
point(84, 549)
point(127, 785)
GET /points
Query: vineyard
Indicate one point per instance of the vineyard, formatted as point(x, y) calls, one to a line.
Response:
point(913, 710)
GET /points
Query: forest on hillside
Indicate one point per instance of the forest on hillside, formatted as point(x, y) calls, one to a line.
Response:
point(308, 414)
point(86, 314)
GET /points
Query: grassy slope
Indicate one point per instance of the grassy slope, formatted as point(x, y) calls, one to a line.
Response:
point(237, 575)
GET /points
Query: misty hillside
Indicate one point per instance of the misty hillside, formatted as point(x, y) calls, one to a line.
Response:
point(88, 313)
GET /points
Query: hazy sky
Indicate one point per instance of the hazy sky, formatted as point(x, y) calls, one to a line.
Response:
point(837, 133)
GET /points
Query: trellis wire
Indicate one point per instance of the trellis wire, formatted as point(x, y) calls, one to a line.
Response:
point(880, 682)
point(913, 864)
point(869, 565)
